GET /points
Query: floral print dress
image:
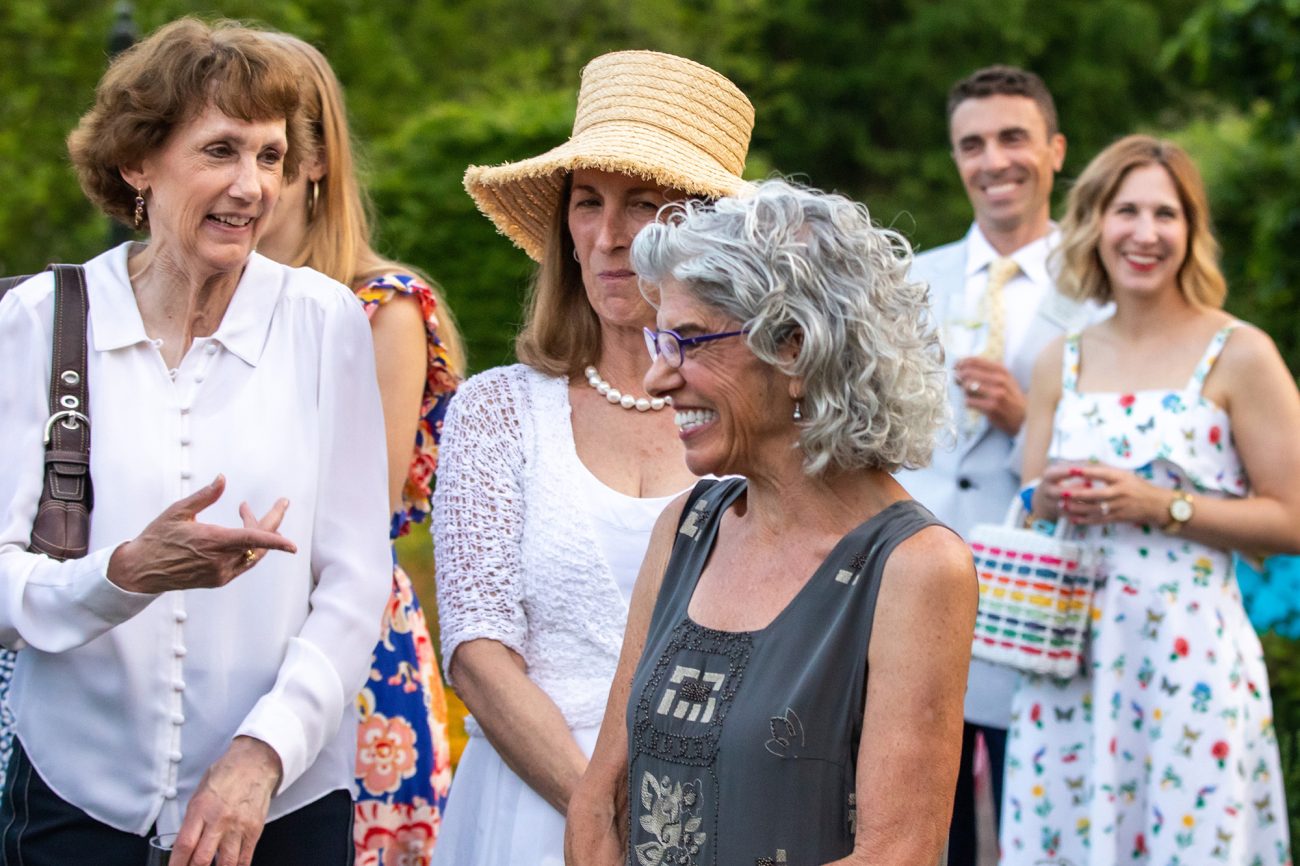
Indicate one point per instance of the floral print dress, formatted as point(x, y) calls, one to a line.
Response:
point(403, 755)
point(1163, 751)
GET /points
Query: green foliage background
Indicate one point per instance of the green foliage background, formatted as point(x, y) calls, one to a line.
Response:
point(849, 95)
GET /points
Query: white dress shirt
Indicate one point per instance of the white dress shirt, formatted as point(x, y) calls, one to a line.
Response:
point(964, 328)
point(123, 699)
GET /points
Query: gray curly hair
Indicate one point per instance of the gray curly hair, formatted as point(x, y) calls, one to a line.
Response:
point(791, 262)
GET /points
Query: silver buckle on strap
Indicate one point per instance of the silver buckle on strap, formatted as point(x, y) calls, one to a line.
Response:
point(71, 421)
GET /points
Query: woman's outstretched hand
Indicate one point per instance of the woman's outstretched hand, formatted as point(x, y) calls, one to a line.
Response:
point(176, 551)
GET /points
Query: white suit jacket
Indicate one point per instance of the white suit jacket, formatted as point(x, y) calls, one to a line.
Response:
point(973, 477)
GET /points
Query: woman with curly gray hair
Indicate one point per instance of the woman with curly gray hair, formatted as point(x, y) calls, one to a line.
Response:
point(798, 358)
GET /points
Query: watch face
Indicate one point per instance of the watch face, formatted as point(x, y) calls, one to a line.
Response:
point(1181, 510)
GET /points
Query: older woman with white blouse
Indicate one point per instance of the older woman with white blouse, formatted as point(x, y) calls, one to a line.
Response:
point(192, 673)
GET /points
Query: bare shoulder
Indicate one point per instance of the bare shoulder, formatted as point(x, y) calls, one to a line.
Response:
point(1248, 348)
point(1248, 367)
point(398, 317)
point(1054, 347)
point(928, 595)
point(1049, 358)
point(933, 559)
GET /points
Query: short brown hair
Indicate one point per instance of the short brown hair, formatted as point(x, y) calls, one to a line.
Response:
point(1082, 274)
point(167, 80)
point(561, 333)
point(1005, 81)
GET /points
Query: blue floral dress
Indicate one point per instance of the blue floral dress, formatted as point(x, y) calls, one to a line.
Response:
point(403, 755)
point(1163, 752)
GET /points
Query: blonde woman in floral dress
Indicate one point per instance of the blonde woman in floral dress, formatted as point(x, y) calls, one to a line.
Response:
point(1171, 434)
point(403, 765)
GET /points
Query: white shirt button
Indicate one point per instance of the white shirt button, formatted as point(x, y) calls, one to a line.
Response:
point(185, 440)
point(185, 410)
point(178, 718)
point(210, 348)
point(181, 616)
point(174, 757)
point(179, 651)
point(170, 793)
point(198, 377)
point(185, 473)
point(178, 685)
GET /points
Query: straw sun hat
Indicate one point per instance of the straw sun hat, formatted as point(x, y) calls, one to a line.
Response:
point(650, 115)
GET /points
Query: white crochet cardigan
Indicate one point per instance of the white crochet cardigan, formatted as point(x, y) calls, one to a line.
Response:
point(517, 556)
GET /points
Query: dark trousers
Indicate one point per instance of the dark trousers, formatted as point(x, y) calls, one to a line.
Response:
point(963, 845)
point(39, 828)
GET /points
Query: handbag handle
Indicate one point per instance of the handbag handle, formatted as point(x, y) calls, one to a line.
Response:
point(61, 529)
point(1017, 515)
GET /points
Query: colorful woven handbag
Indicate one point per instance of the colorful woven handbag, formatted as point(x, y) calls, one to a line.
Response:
point(1035, 596)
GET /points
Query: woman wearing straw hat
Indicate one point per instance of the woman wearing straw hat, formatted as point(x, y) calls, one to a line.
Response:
point(554, 471)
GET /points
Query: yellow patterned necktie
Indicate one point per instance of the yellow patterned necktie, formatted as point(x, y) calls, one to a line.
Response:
point(993, 312)
point(1001, 271)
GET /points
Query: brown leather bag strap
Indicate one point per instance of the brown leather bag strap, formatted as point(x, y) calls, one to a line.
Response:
point(62, 526)
point(68, 429)
point(61, 529)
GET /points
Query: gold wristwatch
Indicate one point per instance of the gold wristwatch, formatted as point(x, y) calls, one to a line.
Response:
point(1180, 511)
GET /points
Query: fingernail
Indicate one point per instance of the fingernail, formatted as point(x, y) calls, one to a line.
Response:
point(1076, 471)
point(1065, 494)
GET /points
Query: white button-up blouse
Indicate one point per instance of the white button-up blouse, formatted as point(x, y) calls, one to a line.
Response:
point(123, 699)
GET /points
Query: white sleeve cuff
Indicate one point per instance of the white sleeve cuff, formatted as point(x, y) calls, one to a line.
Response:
point(70, 603)
point(301, 713)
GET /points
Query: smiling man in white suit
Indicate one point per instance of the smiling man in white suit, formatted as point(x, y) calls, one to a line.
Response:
point(994, 298)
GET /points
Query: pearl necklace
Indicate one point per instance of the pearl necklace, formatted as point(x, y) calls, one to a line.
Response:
point(627, 401)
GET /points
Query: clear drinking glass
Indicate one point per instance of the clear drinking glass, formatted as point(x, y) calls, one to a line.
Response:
point(160, 849)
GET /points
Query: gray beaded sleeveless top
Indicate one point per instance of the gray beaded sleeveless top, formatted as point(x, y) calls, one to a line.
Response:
point(743, 746)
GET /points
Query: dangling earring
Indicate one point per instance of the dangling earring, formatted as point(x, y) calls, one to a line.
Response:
point(798, 416)
point(139, 209)
point(312, 199)
point(575, 256)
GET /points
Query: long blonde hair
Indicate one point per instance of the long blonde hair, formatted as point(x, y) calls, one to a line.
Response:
point(1082, 274)
point(337, 242)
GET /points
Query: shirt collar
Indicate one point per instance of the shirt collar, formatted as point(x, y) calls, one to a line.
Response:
point(115, 316)
point(1032, 257)
point(244, 328)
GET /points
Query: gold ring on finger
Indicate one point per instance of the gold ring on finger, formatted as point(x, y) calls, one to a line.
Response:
point(973, 387)
point(249, 557)
point(1105, 508)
